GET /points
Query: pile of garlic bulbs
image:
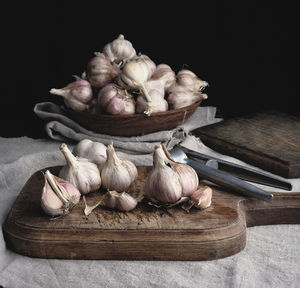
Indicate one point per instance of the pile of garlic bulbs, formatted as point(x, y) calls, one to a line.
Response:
point(88, 167)
point(120, 81)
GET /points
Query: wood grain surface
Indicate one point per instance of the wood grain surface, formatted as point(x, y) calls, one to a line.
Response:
point(146, 233)
point(269, 140)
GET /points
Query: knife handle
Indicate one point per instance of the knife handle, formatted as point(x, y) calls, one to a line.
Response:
point(228, 181)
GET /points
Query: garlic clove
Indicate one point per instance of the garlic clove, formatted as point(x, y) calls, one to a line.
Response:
point(80, 172)
point(201, 198)
point(162, 183)
point(164, 73)
point(117, 174)
point(58, 196)
point(119, 50)
point(121, 201)
point(95, 152)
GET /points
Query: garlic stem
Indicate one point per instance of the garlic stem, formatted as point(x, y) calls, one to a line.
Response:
point(54, 187)
point(60, 92)
point(111, 155)
point(71, 159)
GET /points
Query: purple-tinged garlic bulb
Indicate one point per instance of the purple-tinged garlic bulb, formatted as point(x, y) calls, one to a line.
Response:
point(119, 50)
point(77, 94)
point(100, 71)
point(190, 80)
point(115, 100)
point(58, 195)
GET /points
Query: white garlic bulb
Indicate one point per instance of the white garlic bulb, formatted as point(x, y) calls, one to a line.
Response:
point(119, 50)
point(150, 64)
point(95, 152)
point(117, 174)
point(82, 173)
point(164, 73)
point(100, 71)
point(115, 100)
point(158, 103)
point(77, 94)
point(162, 183)
point(181, 96)
point(58, 195)
point(135, 74)
point(190, 80)
point(121, 201)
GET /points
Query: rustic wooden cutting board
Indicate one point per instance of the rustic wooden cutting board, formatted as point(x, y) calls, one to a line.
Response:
point(147, 232)
point(269, 140)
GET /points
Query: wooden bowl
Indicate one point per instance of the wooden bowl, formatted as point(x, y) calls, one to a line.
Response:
point(135, 124)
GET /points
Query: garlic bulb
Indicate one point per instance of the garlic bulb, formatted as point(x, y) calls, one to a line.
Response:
point(58, 195)
point(119, 50)
point(180, 96)
point(162, 182)
point(135, 74)
point(164, 73)
point(100, 71)
point(150, 64)
point(80, 172)
point(77, 95)
point(158, 103)
point(95, 152)
point(121, 201)
point(115, 100)
point(201, 198)
point(190, 80)
point(117, 174)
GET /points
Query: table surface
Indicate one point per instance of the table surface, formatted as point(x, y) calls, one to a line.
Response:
point(271, 257)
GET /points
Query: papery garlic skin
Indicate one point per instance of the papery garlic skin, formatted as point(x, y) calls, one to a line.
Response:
point(58, 196)
point(119, 50)
point(117, 174)
point(100, 71)
point(77, 95)
point(121, 201)
point(95, 152)
point(114, 100)
point(180, 96)
point(80, 172)
point(201, 198)
point(190, 80)
point(158, 103)
point(164, 73)
point(162, 183)
point(188, 178)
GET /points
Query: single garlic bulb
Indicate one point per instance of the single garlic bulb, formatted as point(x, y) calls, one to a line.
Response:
point(190, 80)
point(117, 174)
point(150, 64)
point(100, 71)
point(77, 95)
point(180, 96)
point(115, 100)
point(58, 195)
point(80, 172)
point(164, 73)
point(95, 152)
point(135, 74)
point(119, 50)
point(158, 103)
point(201, 198)
point(162, 182)
point(121, 201)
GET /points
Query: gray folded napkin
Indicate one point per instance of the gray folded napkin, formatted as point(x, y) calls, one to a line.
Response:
point(61, 128)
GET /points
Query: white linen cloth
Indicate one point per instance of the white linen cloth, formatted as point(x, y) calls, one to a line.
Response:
point(271, 257)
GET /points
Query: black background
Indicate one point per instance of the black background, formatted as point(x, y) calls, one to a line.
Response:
point(246, 50)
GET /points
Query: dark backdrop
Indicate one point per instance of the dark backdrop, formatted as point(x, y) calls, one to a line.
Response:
point(246, 50)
